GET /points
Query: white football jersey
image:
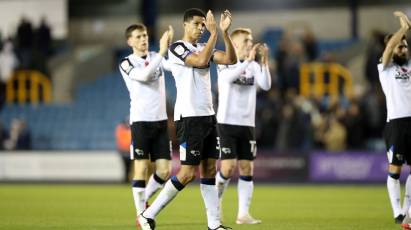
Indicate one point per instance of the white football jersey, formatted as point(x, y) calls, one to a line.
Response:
point(237, 89)
point(193, 84)
point(144, 78)
point(396, 84)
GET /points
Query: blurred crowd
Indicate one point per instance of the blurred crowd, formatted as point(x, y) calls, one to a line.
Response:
point(289, 121)
point(28, 49)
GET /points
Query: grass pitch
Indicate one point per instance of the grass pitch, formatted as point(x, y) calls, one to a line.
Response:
point(281, 207)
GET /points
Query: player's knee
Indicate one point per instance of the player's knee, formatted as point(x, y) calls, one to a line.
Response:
point(186, 176)
point(163, 173)
point(394, 169)
point(245, 169)
point(227, 170)
point(211, 169)
point(140, 167)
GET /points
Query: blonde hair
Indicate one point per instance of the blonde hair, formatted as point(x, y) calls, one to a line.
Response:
point(239, 31)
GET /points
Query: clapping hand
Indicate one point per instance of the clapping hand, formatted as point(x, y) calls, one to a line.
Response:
point(210, 22)
point(225, 20)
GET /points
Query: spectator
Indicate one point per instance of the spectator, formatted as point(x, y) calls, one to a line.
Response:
point(43, 38)
point(3, 136)
point(295, 126)
point(335, 135)
point(25, 37)
point(354, 120)
point(42, 47)
point(289, 58)
point(123, 142)
point(19, 136)
point(374, 109)
point(268, 107)
point(310, 44)
point(374, 52)
point(8, 62)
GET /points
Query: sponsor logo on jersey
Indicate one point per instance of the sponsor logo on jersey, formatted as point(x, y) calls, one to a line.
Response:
point(403, 74)
point(244, 81)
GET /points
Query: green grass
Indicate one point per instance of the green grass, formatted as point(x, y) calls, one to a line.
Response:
point(281, 207)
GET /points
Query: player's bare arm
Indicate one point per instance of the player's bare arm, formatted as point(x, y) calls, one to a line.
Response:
point(229, 56)
point(396, 38)
point(263, 49)
point(165, 41)
point(403, 16)
point(203, 58)
point(253, 52)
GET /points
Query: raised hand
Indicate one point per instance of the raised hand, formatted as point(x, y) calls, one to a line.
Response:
point(225, 20)
point(264, 54)
point(170, 34)
point(253, 52)
point(404, 21)
point(210, 22)
point(164, 42)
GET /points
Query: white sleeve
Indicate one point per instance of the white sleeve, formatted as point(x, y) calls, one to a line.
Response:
point(166, 64)
point(140, 74)
point(262, 75)
point(228, 73)
point(380, 67)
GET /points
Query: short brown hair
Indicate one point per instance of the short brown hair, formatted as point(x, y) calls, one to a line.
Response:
point(240, 31)
point(133, 27)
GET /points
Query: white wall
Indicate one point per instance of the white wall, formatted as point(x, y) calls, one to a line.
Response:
point(61, 166)
point(55, 12)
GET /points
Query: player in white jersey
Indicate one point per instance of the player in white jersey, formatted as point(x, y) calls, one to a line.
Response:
point(237, 89)
point(143, 74)
point(193, 113)
point(394, 75)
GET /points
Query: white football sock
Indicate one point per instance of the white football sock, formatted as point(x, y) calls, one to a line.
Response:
point(152, 187)
point(139, 201)
point(245, 194)
point(393, 186)
point(166, 195)
point(221, 184)
point(210, 198)
point(407, 196)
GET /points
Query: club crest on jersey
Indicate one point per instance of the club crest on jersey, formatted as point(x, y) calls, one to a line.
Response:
point(195, 153)
point(139, 152)
point(244, 81)
point(225, 150)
